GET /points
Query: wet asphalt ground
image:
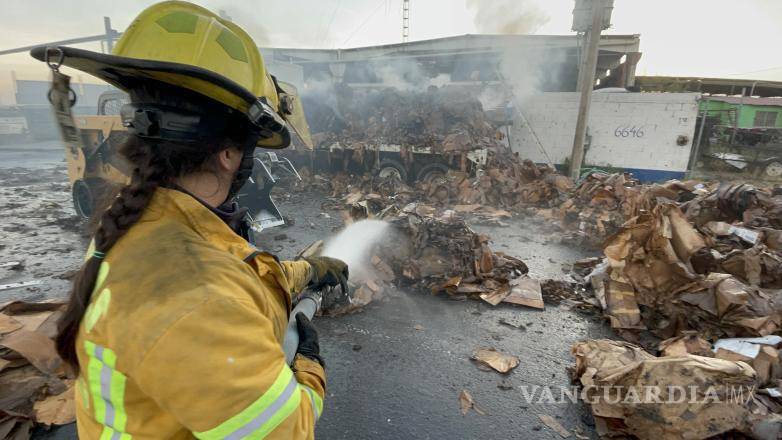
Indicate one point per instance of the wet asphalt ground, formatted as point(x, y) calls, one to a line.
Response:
point(395, 369)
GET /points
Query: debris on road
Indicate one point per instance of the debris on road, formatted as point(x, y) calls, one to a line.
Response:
point(499, 361)
point(691, 262)
point(525, 291)
point(466, 403)
point(567, 293)
point(693, 396)
point(688, 343)
point(760, 353)
point(505, 384)
point(442, 254)
point(34, 385)
point(554, 425)
point(661, 262)
point(58, 409)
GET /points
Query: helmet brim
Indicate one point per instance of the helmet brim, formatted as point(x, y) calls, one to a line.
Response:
point(128, 73)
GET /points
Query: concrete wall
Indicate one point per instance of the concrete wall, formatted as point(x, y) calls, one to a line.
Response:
point(634, 131)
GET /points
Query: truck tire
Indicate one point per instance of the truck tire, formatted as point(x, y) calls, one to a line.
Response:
point(432, 171)
point(83, 199)
point(389, 167)
point(773, 169)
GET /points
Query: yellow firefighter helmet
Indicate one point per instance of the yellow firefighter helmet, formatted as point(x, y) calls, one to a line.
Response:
point(186, 46)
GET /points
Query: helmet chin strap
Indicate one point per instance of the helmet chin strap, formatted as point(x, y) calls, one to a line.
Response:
point(245, 170)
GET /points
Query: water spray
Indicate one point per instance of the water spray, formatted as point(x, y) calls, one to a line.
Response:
point(352, 245)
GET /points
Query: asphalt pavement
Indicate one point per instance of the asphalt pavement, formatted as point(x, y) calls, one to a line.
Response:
point(396, 369)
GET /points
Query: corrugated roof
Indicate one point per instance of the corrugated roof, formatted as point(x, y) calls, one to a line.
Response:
point(747, 100)
point(713, 86)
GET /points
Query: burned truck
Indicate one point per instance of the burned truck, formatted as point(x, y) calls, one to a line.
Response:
point(416, 135)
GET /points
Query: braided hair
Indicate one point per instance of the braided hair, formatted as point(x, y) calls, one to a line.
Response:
point(154, 163)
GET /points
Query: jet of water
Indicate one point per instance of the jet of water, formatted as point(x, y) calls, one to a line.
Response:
point(353, 244)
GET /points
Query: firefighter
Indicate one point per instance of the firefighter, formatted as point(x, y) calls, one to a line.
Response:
point(175, 322)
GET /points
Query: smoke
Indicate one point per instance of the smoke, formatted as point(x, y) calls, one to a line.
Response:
point(321, 104)
point(440, 80)
point(525, 70)
point(493, 97)
point(242, 14)
point(529, 71)
point(408, 76)
point(507, 16)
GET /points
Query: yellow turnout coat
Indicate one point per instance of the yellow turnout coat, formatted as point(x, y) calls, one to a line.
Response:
point(183, 335)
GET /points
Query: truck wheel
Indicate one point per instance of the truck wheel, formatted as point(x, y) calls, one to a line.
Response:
point(431, 172)
point(773, 169)
point(83, 199)
point(391, 167)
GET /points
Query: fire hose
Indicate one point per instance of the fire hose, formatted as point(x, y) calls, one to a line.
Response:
point(309, 303)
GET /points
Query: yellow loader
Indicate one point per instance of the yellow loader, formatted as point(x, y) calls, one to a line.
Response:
point(95, 169)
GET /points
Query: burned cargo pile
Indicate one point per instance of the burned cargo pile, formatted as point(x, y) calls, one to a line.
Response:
point(424, 251)
point(695, 265)
point(506, 185)
point(705, 276)
point(443, 254)
point(467, 165)
point(601, 202)
point(678, 395)
point(444, 119)
point(668, 275)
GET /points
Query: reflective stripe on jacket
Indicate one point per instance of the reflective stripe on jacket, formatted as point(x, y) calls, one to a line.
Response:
point(182, 337)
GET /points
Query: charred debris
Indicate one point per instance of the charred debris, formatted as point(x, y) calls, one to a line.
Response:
point(690, 275)
point(690, 272)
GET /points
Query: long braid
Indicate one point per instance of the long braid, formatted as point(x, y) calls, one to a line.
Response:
point(124, 211)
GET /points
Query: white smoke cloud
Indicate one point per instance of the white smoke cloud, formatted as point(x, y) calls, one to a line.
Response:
point(407, 75)
point(521, 69)
point(527, 70)
point(507, 16)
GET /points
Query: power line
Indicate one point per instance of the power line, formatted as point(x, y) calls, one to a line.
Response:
point(333, 15)
point(366, 20)
point(756, 71)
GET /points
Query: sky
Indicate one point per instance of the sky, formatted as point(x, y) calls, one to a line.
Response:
point(714, 38)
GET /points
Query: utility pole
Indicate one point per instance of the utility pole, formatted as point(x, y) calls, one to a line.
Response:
point(587, 82)
point(109, 34)
point(405, 20)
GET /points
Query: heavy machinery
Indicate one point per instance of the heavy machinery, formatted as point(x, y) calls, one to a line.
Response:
point(96, 169)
